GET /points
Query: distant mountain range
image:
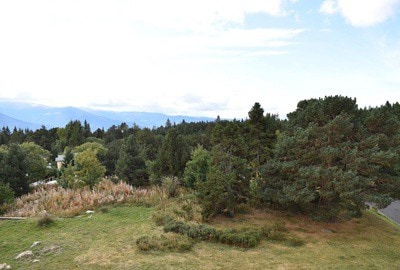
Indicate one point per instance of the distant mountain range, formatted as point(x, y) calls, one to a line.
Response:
point(33, 116)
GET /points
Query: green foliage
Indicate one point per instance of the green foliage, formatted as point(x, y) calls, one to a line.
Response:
point(245, 238)
point(6, 193)
point(89, 167)
point(36, 161)
point(165, 242)
point(70, 179)
point(131, 166)
point(240, 238)
point(112, 155)
point(13, 169)
point(336, 163)
point(96, 147)
point(171, 186)
point(228, 182)
point(173, 155)
point(197, 168)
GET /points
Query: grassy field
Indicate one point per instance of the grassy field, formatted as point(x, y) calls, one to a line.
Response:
point(108, 241)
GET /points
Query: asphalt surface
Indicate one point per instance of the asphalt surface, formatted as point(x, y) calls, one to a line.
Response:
point(392, 211)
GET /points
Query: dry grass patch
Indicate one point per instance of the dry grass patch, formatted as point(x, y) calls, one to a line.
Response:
point(65, 202)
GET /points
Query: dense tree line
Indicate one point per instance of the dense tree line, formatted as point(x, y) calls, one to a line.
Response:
point(326, 159)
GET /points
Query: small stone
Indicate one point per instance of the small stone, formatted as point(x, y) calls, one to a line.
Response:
point(89, 212)
point(35, 244)
point(51, 249)
point(5, 266)
point(35, 261)
point(326, 231)
point(25, 254)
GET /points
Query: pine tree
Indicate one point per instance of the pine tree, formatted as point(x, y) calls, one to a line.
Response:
point(173, 155)
point(13, 169)
point(228, 182)
point(131, 165)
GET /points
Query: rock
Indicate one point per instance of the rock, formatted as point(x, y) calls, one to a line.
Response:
point(51, 249)
point(5, 266)
point(35, 261)
point(24, 255)
point(89, 212)
point(326, 231)
point(35, 244)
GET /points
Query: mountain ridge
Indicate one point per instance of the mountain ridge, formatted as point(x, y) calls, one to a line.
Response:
point(33, 116)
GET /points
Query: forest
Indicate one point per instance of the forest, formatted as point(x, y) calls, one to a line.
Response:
point(325, 159)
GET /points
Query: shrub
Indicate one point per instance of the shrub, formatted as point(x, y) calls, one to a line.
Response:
point(202, 232)
point(161, 218)
point(295, 241)
point(45, 221)
point(244, 238)
point(165, 242)
point(176, 227)
point(171, 185)
point(6, 193)
point(276, 232)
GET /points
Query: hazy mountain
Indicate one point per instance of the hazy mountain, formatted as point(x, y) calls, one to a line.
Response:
point(32, 116)
point(7, 121)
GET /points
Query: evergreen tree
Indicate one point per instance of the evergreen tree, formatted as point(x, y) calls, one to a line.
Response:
point(228, 182)
point(36, 161)
point(13, 169)
point(131, 165)
point(173, 155)
point(336, 163)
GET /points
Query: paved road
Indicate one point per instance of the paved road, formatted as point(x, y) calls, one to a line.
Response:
point(392, 211)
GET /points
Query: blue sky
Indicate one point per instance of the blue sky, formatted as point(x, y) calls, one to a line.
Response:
point(200, 58)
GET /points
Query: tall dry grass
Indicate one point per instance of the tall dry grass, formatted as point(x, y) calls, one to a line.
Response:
point(65, 202)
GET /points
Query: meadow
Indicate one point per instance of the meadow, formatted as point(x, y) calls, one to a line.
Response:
point(106, 239)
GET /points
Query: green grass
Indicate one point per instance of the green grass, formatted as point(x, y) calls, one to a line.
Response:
point(108, 241)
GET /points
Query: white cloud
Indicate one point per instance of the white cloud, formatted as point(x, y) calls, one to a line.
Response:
point(362, 13)
point(329, 7)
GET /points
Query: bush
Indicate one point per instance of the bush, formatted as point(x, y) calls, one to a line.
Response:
point(276, 232)
point(161, 218)
point(244, 238)
point(45, 221)
point(171, 186)
point(6, 193)
point(203, 232)
point(295, 241)
point(176, 227)
point(165, 242)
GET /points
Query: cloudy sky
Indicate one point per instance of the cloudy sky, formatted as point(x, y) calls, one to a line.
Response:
point(200, 58)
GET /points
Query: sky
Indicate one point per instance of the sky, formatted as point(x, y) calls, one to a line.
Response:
point(198, 58)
